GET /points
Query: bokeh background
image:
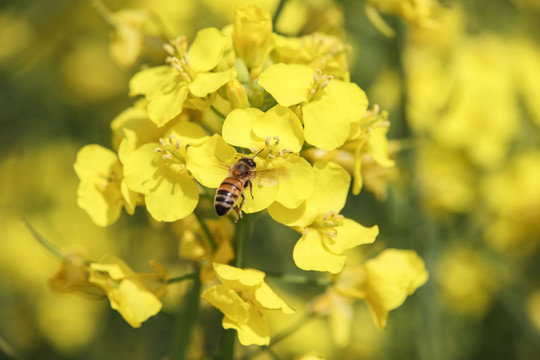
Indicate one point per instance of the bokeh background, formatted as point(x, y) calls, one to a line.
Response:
point(462, 86)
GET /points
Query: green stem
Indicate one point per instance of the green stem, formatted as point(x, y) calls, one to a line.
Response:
point(187, 320)
point(299, 279)
point(242, 236)
point(46, 244)
point(103, 12)
point(206, 230)
point(277, 13)
point(182, 278)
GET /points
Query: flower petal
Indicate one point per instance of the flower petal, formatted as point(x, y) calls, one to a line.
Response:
point(228, 302)
point(237, 128)
point(298, 186)
point(288, 84)
point(209, 163)
point(325, 124)
point(351, 234)
point(207, 49)
point(241, 280)
point(269, 299)
point(390, 278)
point(173, 196)
point(282, 122)
point(254, 332)
point(350, 99)
point(310, 253)
point(206, 83)
point(331, 187)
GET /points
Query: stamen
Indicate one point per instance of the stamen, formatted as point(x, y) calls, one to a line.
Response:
point(162, 142)
point(158, 150)
point(169, 49)
point(166, 156)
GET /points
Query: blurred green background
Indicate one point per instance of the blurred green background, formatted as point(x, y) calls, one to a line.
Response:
point(464, 104)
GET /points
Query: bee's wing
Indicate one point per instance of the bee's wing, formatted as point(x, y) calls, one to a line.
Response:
point(271, 177)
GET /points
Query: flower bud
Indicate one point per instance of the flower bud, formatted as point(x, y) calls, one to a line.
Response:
point(252, 35)
point(237, 95)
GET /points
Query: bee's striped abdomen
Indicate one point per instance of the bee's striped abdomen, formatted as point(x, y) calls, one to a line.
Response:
point(227, 195)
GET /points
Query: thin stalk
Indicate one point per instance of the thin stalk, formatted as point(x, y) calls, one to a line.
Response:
point(243, 234)
point(182, 278)
point(277, 13)
point(187, 320)
point(299, 279)
point(46, 244)
point(206, 230)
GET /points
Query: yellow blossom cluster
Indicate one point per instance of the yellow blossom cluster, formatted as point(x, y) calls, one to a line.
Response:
point(282, 109)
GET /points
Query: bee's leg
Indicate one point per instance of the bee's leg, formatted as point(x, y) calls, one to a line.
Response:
point(238, 209)
point(250, 189)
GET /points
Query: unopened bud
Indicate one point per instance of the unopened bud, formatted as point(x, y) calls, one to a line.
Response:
point(237, 95)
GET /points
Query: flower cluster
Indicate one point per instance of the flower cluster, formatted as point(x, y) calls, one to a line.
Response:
point(285, 104)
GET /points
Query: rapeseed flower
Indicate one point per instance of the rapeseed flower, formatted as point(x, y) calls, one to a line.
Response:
point(244, 298)
point(189, 80)
point(327, 106)
point(326, 235)
point(158, 170)
point(384, 282)
point(102, 191)
point(134, 296)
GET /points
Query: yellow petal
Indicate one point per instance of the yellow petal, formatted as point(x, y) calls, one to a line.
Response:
point(264, 193)
point(325, 124)
point(209, 163)
point(103, 206)
point(147, 81)
point(134, 302)
point(331, 187)
point(173, 196)
point(206, 83)
point(269, 299)
point(377, 146)
point(296, 188)
point(228, 302)
point(254, 332)
point(288, 84)
point(187, 133)
point(207, 49)
point(349, 98)
point(310, 253)
point(390, 278)
point(351, 234)
point(140, 166)
point(239, 279)
point(301, 216)
point(167, 103)
point(282, 122)
point(95, 161)
point(237, 128)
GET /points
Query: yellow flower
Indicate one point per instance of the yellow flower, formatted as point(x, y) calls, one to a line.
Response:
point(131, 28)
point(468, 280)
point(195, 245)
point(102, 191)
point(158, 171)
point(319, 51)
point(384, 282)
point(419, 13)
point(73, 276)
point(134, 296)
point(189, 81)
point(244, 298)
point(325, 234)
point(328, 106)
point(283, 176)
point(252, 35)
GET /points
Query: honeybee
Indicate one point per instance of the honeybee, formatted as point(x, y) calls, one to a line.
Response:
point(230, 194)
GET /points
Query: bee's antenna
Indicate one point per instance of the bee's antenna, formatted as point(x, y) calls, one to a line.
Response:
point(258, 153)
